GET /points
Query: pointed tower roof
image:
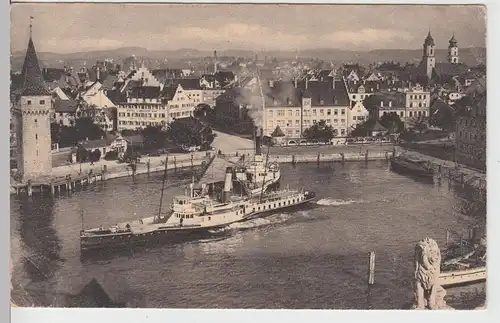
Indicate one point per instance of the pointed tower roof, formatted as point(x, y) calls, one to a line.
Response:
point(278, 132)
point(31, 76)
point(453, 41)
point(429, 41)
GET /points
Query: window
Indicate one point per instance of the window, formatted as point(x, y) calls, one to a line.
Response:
point(328, 112)
point(28, 102)
point(314, 112)
point(289, 113)
point(36, 136)
point(270, 113)
point(37, 152)
point(342, 132)
point(335, 112)
point(321, 111)
point(42, 102)
point(354, 118)
point(297, 113)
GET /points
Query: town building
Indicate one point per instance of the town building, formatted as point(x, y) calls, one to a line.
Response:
point(418, 102)
point(357, 113)
point(471, 132)
point(32, 111)
point(179, 104)
point(295, 107)
point(140, 107)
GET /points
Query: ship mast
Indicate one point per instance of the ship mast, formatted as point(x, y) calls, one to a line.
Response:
point(163, 186)
point(265, 174)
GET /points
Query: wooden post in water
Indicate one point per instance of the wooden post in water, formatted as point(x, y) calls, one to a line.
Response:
point(52, 188)
point(393, 151)
point(175, 164)
point(104, 171)
point(342, 156)
point(317, 159)
point(371, 269)
point(192, 163)
point(148, 164)
point(29, 188)
point(293, 159)
point(386, 155)
point(366, 156)
point(447, 238)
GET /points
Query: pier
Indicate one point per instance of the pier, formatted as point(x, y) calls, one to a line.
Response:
point(58, 185)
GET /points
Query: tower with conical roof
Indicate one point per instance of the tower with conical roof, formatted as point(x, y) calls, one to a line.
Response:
point(429, 58)
point(453, 50)
point(32, 108)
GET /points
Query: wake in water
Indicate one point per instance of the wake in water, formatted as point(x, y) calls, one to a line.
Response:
point(337, 202)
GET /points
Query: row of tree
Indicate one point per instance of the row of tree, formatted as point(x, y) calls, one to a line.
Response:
point(69, 136)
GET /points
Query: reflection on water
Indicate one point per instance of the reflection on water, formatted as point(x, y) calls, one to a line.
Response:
point(314, 257)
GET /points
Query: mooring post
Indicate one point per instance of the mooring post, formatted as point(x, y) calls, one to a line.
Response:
point(386, 155)
point(371, 269)
point(52, 188)
point(447, 238)
point(175, 164)
point(393, 151)
point(104, 171)
point(29, 188)
point(293, 159)
point(342, 156)
point(148, 164)
point(366, 156)
point(70, 183)
point(192, 163)
point(318, 158)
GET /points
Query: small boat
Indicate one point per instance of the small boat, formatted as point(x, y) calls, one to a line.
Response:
point(411, 165)
point(468, 267)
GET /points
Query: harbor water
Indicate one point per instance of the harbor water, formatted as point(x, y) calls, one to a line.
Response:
point(313, 257)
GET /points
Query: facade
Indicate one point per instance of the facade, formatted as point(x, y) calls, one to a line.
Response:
point(357, 113)
point(471, 134)
point(294, 109)
point(418, 102)
point(179, 105)
point(142, 107)
point(32, 111)
point(64, 112)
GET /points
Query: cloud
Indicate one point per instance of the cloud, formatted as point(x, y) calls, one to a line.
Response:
point(369, 36)
point(69, 44)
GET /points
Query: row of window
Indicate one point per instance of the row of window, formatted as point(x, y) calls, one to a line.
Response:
point(411, 114)
point(361, 96)
point(471, 136)
point(29, 102)
point(140, 100)
point(477, 152)
point(307, 112)
point(418, 97)
point(141, 123)
point(420, 104)
point(142, 107)
point(141, 115)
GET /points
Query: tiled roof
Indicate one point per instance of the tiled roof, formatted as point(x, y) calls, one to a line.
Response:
point(33, 83)
point(188, 84)
point(52, 74)
point(145, 92)
point(377, 127)
point(429, 41)
point(116, 96)
point(439, 105)
point(283, 94)
point(450, 69)
point(98, 143)
point(322, 93)
point(65, 106)
point(395, 99)
point(109, 82)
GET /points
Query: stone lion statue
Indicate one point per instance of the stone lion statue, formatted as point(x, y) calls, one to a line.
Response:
point(428, 293)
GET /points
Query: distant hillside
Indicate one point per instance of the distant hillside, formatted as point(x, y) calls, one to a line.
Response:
point(469, 56)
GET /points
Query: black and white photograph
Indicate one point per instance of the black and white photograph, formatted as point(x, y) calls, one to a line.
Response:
point(248, 156)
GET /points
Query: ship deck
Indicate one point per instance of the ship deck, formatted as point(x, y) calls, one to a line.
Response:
point(216, 172)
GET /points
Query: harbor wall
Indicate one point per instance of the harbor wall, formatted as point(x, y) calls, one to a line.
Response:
point(337, 157)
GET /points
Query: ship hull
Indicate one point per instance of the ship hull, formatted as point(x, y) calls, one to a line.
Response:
point(410, 169)
point(173, 234)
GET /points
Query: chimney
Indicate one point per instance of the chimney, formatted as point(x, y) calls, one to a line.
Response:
point(390, 104)
point(382, 103)
point(307, 83)
point(333, 83)
point(258, 141)
point(295, 82)
point(98, 72)
point(228, 183)
point(378, 86)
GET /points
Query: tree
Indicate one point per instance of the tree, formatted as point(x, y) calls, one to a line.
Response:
point(419, 123)
point(320, 131)
point(55, 131)
point(362, 129)
point(392, 122)
point(111, 155)
point(86, 128)
point(82, 155)
point(95, 155)
point(154, 137)
point(189, 132)
point(444, 119)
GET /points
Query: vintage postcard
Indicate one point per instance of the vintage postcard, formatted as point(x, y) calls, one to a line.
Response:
point(248, 156)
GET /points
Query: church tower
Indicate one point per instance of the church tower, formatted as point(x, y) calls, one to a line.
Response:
point(453, 51)
point(429, 59)
point(32, 106)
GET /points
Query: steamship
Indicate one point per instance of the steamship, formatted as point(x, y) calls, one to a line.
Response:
point(199, 212)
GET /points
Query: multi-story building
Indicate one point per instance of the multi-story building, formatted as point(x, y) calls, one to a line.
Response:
point(471, 133)
point(389, 102)
point(141, 107)
point(179, 105)
point(357, 113)
point(418, 102)
point(294, 108)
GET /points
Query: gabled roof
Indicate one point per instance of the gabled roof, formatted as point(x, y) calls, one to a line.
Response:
point(188, 84)
point(145, 92)
point(98, 143)
point(65, 106)
point(168, 92)
point(32, 79)
point(377, 127)
point(440, 105)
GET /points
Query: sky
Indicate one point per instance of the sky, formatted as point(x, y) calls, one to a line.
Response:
point(66, 28)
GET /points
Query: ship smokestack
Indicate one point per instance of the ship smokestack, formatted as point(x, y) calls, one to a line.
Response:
point(228, 185)
point(258, 139)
